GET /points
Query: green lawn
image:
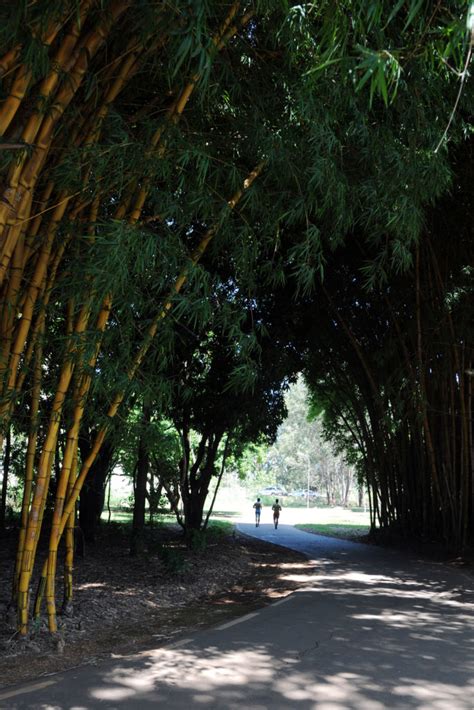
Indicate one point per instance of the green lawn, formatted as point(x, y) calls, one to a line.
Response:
point(338, 522)
point(126, 516)
point(216, 526)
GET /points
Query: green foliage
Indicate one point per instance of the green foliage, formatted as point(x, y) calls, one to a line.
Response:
point(249, 463)
point(303, 456)
point(174, 560)
point(197, 540)
point(383, 70)
point(219, 529)
point(214, 534)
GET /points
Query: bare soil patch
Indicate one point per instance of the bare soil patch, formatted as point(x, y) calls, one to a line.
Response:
point(122, 604)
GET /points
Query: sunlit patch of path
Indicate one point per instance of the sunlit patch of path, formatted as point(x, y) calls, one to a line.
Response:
point(369, 629)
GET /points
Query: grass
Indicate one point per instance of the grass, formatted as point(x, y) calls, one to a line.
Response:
point(126, 516)
point(225, 514)
point(217, 528)
point(348, 532)
point(338, 522)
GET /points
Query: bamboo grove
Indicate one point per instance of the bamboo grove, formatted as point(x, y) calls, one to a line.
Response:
point(399, 397)
point(154, 155)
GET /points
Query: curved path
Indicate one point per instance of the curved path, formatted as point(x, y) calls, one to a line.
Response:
point(369, 629)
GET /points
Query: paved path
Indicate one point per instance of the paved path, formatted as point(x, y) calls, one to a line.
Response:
point(372, 629)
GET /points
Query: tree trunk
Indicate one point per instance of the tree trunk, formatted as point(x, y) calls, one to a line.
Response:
point(92, 498)
point(193, 512)
point(137, 542)
point(200, 474)
point(221, 473)
point(153, 496)
point(6, 471)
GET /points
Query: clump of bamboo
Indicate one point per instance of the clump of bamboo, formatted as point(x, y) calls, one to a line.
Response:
point(34, 251)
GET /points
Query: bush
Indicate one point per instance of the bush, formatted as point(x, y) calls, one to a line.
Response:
point(174, 560)
point(218, 529)
point(198, 541)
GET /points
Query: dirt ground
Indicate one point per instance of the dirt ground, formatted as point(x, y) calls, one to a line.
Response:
point(123, 603)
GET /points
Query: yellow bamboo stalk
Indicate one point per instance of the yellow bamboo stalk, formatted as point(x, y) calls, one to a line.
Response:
point(43, 476)
point(38, 326)
point(177, 107)
point(86, 51)
point(33, 292)
point(13, 382)
point(44, 207)
point(30, 456)
point(53, 30)
point(51, 564)
point(17, 353)
point(46, 293)
point(89, 131)
point(48, 573)
point(66, 470)
point(60, 65)
point(234, 8)
point(35, 223)
point(94, 40)
point(21, 185)
point(69, 540)
point(9, 59)
point(12, 232)
point(35, 220)
point(47, 38)
point(46, 583)
point(9, 309)
point(11, 299)
point(14, 99)
point(23, 371)
point(42, 583)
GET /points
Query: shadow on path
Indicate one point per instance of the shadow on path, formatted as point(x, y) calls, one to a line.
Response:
point(370, 629)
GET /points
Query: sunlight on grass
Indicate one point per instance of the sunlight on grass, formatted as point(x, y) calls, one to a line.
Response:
point(343, 531)
point(217, 528)
point(218, 525)
point(126, 516)
point(338, 522)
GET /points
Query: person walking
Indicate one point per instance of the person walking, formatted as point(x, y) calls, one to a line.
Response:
point(258, 508)
point(276, 507)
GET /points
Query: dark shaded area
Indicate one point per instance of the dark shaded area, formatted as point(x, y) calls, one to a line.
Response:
point(122, 603)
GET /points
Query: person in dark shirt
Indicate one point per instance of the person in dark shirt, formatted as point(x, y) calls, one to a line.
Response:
point(258, 508)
